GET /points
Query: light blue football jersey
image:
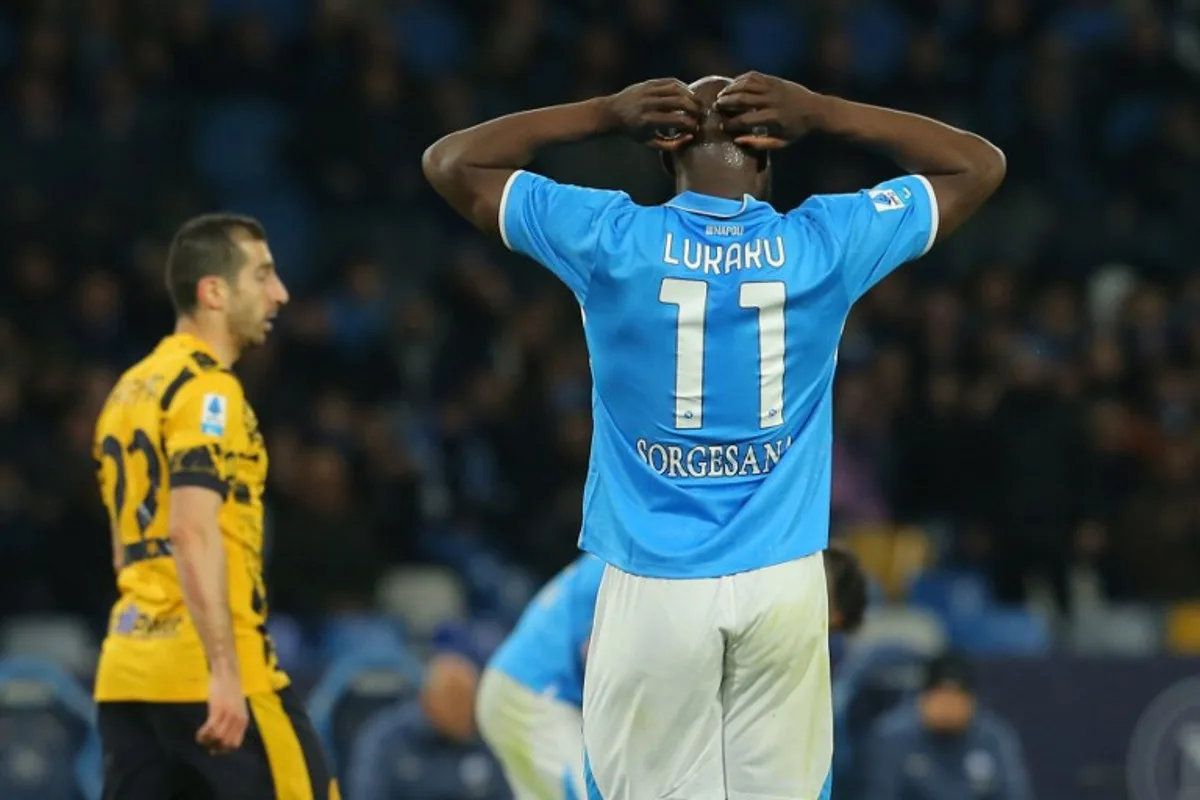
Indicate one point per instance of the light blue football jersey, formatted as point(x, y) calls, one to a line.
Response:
point(544, 652)
point(713, 328)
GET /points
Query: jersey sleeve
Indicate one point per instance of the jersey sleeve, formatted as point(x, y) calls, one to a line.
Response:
point(877, 229)
point(199, 428)
point(557, 225)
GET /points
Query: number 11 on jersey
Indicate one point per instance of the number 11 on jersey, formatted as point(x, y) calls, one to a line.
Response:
point(691, 299)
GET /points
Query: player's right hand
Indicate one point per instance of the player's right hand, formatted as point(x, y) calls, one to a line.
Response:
point(228, 715)
point(765, 112)
point(662, 113)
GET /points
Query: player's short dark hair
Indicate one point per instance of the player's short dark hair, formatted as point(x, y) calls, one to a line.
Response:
point(848, 586)
point(203, 247)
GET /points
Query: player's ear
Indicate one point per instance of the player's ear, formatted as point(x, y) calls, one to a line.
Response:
point(211, 291)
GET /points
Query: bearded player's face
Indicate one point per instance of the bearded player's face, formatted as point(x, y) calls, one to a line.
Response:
point(257, 294)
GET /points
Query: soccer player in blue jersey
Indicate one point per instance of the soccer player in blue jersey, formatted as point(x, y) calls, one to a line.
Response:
point(529, 705)
point(712, 322)
point(530, 699)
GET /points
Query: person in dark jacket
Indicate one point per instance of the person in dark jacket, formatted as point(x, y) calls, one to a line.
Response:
point(428, 747)
point(944, 745)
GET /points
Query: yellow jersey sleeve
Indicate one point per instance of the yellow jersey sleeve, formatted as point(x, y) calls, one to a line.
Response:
point(200, 429)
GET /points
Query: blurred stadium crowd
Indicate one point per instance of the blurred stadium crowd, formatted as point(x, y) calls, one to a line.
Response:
point(1021, 405)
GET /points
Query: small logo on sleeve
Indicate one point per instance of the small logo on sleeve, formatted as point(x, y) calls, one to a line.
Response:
point(212, 415)
point(885, 199)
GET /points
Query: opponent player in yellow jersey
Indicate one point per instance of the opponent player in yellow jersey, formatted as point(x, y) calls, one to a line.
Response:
point(192, 702)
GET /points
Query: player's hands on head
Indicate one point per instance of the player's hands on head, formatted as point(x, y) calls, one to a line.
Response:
point(764, 112)
point(661, 113)
point(228, 715)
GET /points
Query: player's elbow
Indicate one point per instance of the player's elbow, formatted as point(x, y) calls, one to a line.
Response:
point(182, 536)
point(471, 190)
point(441, 166)
point(989, 166)
point(987, 172)
point(961, 193)
point(186, 536)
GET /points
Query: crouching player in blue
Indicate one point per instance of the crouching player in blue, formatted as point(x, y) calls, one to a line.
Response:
point(530, 702)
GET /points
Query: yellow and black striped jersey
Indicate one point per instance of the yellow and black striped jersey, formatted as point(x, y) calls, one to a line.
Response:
point(179, 418)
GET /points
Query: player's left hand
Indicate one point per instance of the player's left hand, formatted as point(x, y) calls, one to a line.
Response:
point(228, 715)
point(764, 112)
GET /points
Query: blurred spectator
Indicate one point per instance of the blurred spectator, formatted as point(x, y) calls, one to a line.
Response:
point(1159, 531)
point(322, 553)
point(944, 746)
point(428, 747)
point(1037, 461)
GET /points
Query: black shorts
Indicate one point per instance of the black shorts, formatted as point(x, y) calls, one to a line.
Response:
point(150, 753)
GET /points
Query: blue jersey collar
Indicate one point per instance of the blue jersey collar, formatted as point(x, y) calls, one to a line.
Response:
point(709, 206)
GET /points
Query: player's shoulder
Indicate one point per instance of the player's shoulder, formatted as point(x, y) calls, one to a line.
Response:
point(527, 181)
point(175, 374)
point(817, 225)
point(566, 198)
point(891, 195)
point(196, 369)
point(154, 376)
point(823, 207)
point(174, 354)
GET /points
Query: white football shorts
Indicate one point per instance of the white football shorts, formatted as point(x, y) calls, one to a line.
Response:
point(537, 739)
point(713, 688)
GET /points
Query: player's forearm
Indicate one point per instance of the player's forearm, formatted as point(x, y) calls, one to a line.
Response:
point(200, 561)
point(963, 169)
point(470, 168)
point(511, 142)
point(918, 144)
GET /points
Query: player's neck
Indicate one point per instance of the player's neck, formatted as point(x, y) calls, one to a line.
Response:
point(729, 188)
point(214, 334)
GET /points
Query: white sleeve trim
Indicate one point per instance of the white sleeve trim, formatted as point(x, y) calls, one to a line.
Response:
point(504, 207)
point(933, 213)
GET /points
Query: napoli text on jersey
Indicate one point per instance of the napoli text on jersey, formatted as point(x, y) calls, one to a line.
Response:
point(544, 652)
point(713, 328)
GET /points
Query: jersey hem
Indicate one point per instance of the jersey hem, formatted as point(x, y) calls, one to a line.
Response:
point(934, 213)
point(199, 480)
point(502, 225)
point(701, 572)
point(182, 697)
